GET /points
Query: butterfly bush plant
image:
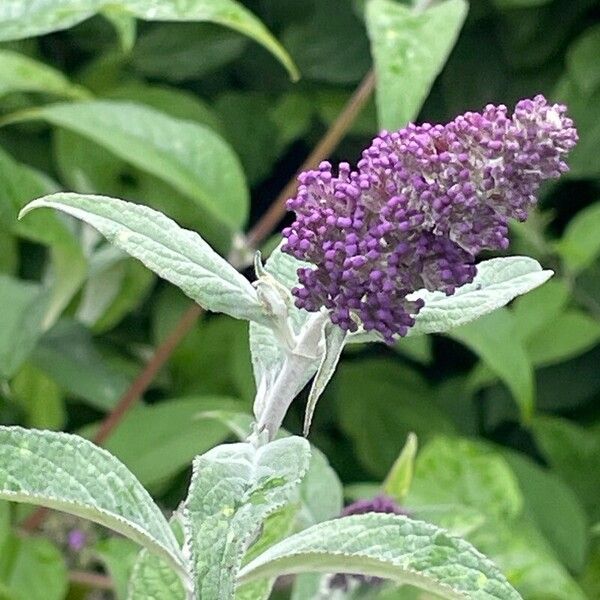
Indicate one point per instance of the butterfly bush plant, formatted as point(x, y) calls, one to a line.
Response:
point(376, 253)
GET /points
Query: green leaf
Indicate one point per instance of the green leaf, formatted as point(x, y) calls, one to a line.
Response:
point(582, 60)
point(498, 281)
point(398, 481)
point(573, 452)
point(571, 333)
point(40, 397)
point(495, 339)
point(188, 156)
point(153, 578)
point(20, 73)
point(68, 473)
point(455, 472)
point(390, 546)
point(125, 26)
point(234, 488)
point(580, 244)
point(174, 432)
point(378, 403)
point(178, 255)
point(409, 50)
point(563, 521)
point(119, 556)
point(32, 569)
point(18, 20)
point(23, 308)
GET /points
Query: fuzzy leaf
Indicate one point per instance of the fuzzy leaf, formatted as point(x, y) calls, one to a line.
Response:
point(153, 578)
point(389, 546)
point(498, 281)
point(178, 255)
point(67, 473)
point(234, 488)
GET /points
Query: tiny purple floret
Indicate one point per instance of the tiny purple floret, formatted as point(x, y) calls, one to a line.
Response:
point(419, 207)
point(76, 540)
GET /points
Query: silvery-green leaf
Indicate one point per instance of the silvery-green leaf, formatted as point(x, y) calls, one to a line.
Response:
point(20, 73)
point(67, 473)
point(19, 19)
point(409, 50)
point(498, 281)
point(335, 339)
point(192, 158)
point(390, 546)
point(234, 488)
point(153, 578)
point(178, 255)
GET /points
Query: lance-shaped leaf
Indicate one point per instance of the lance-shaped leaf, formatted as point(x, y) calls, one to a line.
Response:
point(234, 488)
point(389, 546)
point(188, 156)
point(67, 473)
point(498, 281)
point(178, 255)
point(20, 19)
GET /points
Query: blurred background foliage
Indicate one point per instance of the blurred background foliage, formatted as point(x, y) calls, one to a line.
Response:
point(199, 120)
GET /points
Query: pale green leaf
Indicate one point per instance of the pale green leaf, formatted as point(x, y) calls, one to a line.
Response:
point(495, 339)
point(398, 481)
point(188, 156)
point(125, 26)
point(20, 73)
point(67, 473)
point(498, 281)
point(178, 255)
point(580, 244)
point(409, 50)
point(234, 488)
point(119, 556)
point(23, 307)
point(20, 20)
point(335, 338)
point(389, 546)
point(153, 579)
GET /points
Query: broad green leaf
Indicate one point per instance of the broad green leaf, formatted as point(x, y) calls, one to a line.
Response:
point(32, 568)
point(563, 521)
point(234, 488)
point(582, 60)
point(178, 255)
point(573, 452)
point(20, 20)
point(580, 243)
point(455, 472)
point(335, 338)
point(69, 355)
point(20, 73)
point(390, 546)
point(571, 333)
point(190, 157)
point(398, 480)
point(378, 402)
point(498, 281)
point(174, 432)
point(409, 50)
point(495, 339)
point(68, 473)
point(23, 307)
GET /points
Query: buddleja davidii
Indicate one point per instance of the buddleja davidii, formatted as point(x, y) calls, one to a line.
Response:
point(419, 207)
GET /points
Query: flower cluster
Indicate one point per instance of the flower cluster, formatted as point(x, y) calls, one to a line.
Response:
point(422, 202)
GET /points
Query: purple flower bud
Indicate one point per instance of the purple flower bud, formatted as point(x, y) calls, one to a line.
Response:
point(76, 540)
point(422, 203)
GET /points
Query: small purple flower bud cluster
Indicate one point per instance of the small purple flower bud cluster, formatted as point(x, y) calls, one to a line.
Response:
point(421, 204)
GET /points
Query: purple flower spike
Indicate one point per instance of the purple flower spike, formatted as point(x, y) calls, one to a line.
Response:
point(423, 202)
point(378, 504)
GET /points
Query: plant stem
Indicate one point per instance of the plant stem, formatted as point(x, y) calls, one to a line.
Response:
point(256, 235)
